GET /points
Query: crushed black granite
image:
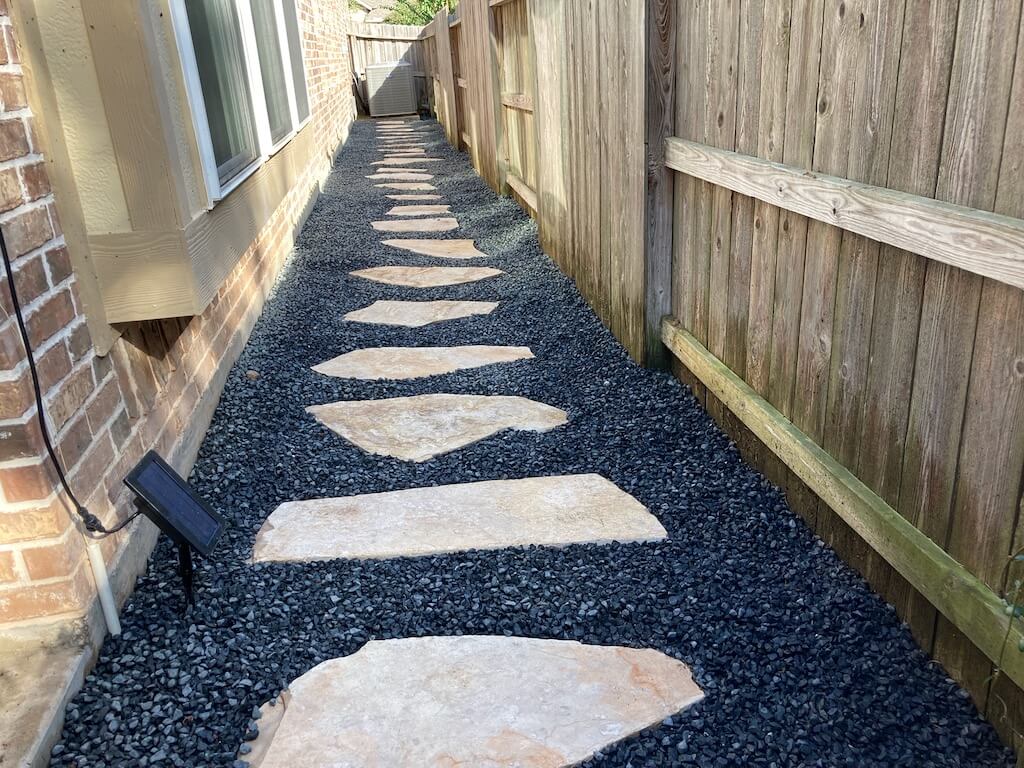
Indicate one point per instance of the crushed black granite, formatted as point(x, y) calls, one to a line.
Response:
point(800, 662)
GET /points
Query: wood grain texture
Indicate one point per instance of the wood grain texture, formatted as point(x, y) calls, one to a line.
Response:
point(660, 118)
point(966, 600)
point(971, 239)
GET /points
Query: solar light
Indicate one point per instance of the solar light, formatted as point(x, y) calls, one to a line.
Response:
point(162, 495)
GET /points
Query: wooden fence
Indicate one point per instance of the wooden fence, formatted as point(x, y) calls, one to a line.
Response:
point(826, 198)
point(386, 43)
point(574, 160)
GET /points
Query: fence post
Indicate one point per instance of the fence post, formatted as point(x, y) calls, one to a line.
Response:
point(659, 116)
point(499, 121)
point(443, 61)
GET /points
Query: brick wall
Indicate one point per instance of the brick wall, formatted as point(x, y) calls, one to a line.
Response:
point(159, 384)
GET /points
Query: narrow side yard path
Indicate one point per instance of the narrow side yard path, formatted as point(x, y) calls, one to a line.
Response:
point(798, 662)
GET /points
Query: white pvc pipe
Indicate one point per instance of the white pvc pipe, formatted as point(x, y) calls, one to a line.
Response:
point(99, 572)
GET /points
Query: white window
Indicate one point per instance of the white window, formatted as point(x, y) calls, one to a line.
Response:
point(246, 82)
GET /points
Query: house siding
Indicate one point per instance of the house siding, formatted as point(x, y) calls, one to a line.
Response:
point(157, 387)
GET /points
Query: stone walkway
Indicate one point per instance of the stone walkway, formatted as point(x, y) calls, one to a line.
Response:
point(467, 530)
point(470, 701)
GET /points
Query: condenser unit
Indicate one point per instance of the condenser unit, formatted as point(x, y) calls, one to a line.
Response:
point(390, 89)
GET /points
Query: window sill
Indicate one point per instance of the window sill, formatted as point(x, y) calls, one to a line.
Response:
point(151, 275)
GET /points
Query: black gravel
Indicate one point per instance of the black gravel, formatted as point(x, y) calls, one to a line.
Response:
point(800, 662)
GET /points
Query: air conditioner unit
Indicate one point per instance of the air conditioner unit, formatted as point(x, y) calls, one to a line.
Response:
point(390, 89)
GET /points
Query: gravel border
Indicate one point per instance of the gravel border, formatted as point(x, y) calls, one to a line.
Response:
point(800, 662)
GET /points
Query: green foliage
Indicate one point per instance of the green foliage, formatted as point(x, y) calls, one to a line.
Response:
point(419, 12)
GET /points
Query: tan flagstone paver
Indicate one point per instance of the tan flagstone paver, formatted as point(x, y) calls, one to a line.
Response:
point(419, 210)
point(421, 427)
point(390, 169)
point(415, 314)
point(416, 225)
point(405, 160)
point(493, 514)
point(447, 249)
point(425, 277)
point(406, 151)
point(374, 363)
point(413, 197)
point(405, 185)
point(395, 176)
point(474, 701)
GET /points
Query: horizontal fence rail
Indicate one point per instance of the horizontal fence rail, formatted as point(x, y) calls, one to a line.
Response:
point(960, 595)
point(978, 241)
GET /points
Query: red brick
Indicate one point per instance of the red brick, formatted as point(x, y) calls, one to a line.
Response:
point(53, 316)
point(80, 343)
point(28, 231)
point(56, 560)
point(36, 179)
point(74, 442)
point(21, 439)
point(101, 367)
point(54, 220)
point(42, 522)
point(12, 45)
point(36, 601)
point(12, 91)
point(12, 348)
point(71, 395)
point(15, 397)
point(120, 429)
point(59, 262)
point(8, 571)
point(30, 482)
point(89, 474)
point(13, 139)
point(32, 133)
point(106, 403)
point(30, 280)
point(53, 366)
point(10, 190)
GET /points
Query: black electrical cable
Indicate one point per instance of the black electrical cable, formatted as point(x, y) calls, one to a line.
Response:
point(92, 523)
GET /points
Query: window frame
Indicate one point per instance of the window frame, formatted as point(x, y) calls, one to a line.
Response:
point(266, 148)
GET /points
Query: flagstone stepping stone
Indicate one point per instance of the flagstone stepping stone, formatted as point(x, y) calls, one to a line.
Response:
point(416, 314)
point(406, 151)
point(446, 249)
point(404, 185)
point(396, 176)
point(416, 225)
point(421, 427)
point(493, 514)
point(405, 160)
point(415, 362)
point(389, 169)
point(419, 210)
point(474, 701)
point(425, 277)
point(413, 197)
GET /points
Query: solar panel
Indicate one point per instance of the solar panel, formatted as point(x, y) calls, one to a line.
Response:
point(170, 502)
